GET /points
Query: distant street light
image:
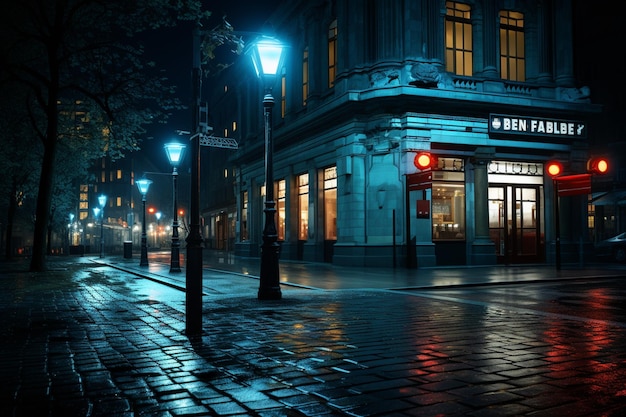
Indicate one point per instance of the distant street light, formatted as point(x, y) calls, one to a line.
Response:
point(267, 57)
point(143, 185)
point(102, 201)
point(174, 153)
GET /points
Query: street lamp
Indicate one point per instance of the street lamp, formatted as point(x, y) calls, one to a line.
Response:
point(143, 185)
point(267, 56)
point(174, 153)
point(157, 239)
point(102, 200)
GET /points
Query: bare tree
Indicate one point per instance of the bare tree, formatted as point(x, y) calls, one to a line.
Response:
point(86, 51)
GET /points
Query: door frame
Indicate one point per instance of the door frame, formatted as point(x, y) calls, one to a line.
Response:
point(512, 241)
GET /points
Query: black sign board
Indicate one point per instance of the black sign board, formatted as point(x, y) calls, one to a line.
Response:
point(506, 124)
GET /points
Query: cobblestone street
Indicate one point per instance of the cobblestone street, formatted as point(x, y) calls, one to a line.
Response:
point(89, 340)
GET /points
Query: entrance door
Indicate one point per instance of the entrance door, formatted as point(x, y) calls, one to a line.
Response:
point(515, 213)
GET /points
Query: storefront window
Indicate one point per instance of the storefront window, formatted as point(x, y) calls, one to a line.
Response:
point(330, 203)
point(303, 206)
point(280, 209)
point(448, 206)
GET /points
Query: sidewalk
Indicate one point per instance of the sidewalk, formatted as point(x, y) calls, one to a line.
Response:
point(331, 277)
point(88, 339)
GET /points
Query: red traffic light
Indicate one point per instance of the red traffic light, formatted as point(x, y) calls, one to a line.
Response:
point(554, 168)
point(425, 160)
point(598, 165)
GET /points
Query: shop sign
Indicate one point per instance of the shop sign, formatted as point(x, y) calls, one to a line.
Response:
point(420, 180)
point(504, 124)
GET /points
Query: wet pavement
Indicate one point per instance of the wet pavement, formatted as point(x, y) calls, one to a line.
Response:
point(105, 337)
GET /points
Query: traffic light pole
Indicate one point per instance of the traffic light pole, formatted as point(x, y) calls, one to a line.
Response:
point(557, 226)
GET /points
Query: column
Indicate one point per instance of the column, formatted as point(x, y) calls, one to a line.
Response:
point(489, 36)
point(483, 250)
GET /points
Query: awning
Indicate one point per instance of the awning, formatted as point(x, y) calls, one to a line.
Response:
point(610, 198)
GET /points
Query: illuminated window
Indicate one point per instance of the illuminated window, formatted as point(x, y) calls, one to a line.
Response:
point(119, 174)
point(448, 206)
point(225, 172)
point(244, 216)
point(305, 76)
point(332, 53)
point(330, 203)
point(118, 201)
point(283, 96)
point(512, 58)
point(280, 208)
point(303, 206)
point(225, 133)
point(234, 129)
point(103, 177)
point(459, 53)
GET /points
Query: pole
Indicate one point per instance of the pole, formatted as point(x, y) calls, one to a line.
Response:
point(102, 233)
point(269, 283)
point(557, 226)
point(144, 237)
point(193, 278)
point(175, 257)
point(393, 238)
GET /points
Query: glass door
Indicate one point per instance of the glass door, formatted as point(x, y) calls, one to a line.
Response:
point(515, 226)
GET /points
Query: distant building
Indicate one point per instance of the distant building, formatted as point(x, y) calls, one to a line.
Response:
point(486, 87)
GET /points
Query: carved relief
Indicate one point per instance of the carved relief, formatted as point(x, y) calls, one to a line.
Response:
point(575, 94)
point(429, 75)
point(385, 78)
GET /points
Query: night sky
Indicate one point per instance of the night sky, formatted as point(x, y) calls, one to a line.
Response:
point(171, 50)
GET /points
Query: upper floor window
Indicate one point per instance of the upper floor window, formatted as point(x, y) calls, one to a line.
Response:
point(305, 76)
point(283, 95)
point(459, 55)
point(332, 53)
point(512, 58)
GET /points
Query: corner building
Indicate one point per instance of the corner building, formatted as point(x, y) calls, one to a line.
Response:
point(486, 87)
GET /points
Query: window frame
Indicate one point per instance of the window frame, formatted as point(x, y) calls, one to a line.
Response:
point(458, 31)
point(507, 57)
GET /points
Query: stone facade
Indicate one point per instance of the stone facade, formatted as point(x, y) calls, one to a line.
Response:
point(391, 97)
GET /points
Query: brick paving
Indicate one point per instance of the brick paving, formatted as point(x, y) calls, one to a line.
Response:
point(88, 340)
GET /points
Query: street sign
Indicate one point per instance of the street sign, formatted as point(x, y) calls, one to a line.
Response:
point(217, 142)
point(574, 184)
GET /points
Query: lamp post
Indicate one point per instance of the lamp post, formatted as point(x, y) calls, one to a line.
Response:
point(143, 185)
point(102, 200)
point(96, 214)
point(174, 153)
point(157, 239)
point(267, 55)
point(69, 233)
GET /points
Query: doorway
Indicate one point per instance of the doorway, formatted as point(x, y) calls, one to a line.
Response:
point(515, 222)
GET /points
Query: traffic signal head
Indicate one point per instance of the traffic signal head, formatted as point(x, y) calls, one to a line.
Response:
point(554, 168)
point(425, 160)
point(598, 165)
